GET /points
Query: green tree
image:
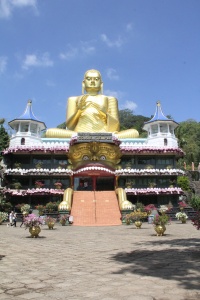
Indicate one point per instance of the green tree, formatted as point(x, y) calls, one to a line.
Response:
point(4, 139)
point(188, 134)
point(129, 120)
point(62, 126)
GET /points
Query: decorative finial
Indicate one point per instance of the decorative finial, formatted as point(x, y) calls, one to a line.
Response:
point(158, 103)
point(29, 102)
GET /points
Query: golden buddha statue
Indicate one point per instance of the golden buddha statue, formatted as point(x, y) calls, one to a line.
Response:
point(92, 112)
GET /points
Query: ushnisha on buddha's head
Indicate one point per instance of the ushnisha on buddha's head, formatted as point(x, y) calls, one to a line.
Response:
point(92, 82)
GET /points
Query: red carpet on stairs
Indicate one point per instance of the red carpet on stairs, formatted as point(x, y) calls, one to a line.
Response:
point(95, 208)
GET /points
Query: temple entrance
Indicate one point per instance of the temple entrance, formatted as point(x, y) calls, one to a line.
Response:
point(95, 202)
point(94, 183)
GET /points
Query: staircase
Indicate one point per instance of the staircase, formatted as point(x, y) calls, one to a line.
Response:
point(95, 208)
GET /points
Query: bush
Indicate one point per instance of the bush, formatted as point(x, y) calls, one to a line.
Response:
point(139, 206)
point(52, 206)
point(25, 208)
point(196, 220)
point(195, 202)
point(6, 206)
point(184, 183)
point(41, 209)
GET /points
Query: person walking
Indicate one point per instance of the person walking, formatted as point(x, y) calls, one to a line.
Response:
point(14, 220)
point(23, 217)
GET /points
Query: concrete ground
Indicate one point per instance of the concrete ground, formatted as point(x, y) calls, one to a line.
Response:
point(107, 263)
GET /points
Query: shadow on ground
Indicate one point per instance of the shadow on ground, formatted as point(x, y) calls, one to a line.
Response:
point(177, 259)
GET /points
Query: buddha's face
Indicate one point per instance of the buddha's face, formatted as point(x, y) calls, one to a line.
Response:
point(92, 82)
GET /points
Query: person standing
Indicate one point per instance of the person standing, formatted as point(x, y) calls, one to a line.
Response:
point(11, 215)
point(14, 220)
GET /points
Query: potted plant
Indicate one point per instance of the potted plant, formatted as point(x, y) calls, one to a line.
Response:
point(159, 222)
point(39, 165)
point(34, 224)
point(3, 217)
point(17, 185)
point(128, 165)
point(17, 165)
point(127, 219)
point(63, 219)
point(129, 183)
point(169, 167)
point(181, 216)
point(52, 206)
point(148, 208)
point(182, 205)
point(19, 206)
point(41, 209)
point(39, 184)
point(149, 167)
point(58, 185)
point(137, 216)
point(50, 222)
point(163, 209)
point(151, 184)
point(25, 209)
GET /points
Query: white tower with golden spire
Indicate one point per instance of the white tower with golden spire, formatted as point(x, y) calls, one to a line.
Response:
point(161, 130)
point(27, 128)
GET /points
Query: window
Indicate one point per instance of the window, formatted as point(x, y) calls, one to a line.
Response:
point(163, 128)
point(24, 127)
point(42, 162)
point(60, 162)
point(33, 128)
point(154, 129)
point(143, 162)
point(23, 141)
point(165, 161)
point(171, 129)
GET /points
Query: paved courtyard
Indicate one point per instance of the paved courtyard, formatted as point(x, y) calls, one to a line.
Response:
point(107, 263)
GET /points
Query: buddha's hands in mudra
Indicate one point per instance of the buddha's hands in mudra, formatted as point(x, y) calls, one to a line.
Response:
point(83, 105)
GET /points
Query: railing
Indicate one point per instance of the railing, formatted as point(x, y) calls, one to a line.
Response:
point(190, 212)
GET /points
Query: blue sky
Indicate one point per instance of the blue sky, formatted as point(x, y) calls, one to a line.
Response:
point(146, 50)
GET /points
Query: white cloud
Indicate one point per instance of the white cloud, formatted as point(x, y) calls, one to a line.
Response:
point(116, 94)
point(22, 3)
point(112, 74)
point(129, 27)
point(130, 105)
point(117, 43)
point(120, 96)
point(69, 54)
point(3, 64)
point(8, 6)
point(31, 60)
point(85, 48)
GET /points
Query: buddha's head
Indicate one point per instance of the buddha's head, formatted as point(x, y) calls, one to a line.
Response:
point(92, 82)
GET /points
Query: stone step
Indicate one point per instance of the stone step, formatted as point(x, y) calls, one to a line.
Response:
point(91, 208)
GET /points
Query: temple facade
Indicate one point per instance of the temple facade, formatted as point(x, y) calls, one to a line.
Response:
point(39, 169)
